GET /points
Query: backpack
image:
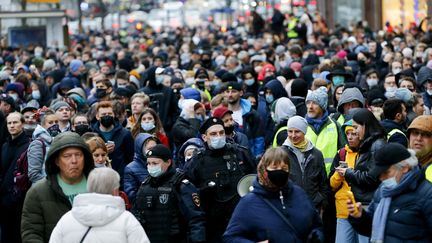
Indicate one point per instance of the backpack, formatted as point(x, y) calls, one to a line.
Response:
point(22, 182)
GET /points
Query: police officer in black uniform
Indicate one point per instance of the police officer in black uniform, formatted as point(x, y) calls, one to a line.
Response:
point(167, 204)
point(216, 170)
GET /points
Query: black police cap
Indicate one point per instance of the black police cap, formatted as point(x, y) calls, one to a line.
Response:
point(159, 151)
point(210, 122)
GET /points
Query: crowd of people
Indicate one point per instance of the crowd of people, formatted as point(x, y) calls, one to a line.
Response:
point(144, 136)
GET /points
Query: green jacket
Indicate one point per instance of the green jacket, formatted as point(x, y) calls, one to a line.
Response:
point(44, 205)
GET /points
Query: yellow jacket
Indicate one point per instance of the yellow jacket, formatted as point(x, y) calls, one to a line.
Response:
point(341, 187)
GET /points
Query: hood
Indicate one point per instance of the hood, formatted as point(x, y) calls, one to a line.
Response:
point(42, 133)
point(284, 109)
point(276, 88)
point(348, 95)
point(191, 141)
point(94, 209)
point(139, 143)
point(151, 77)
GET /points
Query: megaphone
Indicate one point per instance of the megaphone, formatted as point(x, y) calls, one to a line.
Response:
point(244, 186)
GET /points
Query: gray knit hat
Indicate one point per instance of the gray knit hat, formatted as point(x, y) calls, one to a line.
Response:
point(58, 105)
point(319, 96)
point(298, 122)
point(67, 140)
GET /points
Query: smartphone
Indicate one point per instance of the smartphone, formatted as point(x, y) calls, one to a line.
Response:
point(343, 164)
point(110, 142)
point(351, 197)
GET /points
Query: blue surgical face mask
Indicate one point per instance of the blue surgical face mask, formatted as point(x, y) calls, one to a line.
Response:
point(217, 142)
point(389, 183)
point(147, 126)
point(159, 79)
point(249, 82)
point(155, 171)
point(269, 98)
point(338, 80)
point(36, 94)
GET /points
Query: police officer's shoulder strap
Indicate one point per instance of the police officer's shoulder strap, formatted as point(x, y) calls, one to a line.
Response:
point(178, 177)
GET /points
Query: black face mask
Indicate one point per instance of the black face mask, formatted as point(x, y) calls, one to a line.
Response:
point(107, 121)
point(81, 129)
point(200, 84)
point(100, 93)
point(278, 178)
point(229, 130)
point(54, 130)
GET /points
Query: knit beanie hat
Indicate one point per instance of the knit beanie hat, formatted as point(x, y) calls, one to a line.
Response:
point(75, 65)
point(58, 105)
point(319, 96)
point(298, 122)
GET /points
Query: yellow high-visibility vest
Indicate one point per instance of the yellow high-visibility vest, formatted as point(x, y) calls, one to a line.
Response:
point(326, 141)
point(277, 133)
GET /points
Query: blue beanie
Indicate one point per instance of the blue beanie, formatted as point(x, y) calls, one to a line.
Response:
point(75, 65)
point(191, 93)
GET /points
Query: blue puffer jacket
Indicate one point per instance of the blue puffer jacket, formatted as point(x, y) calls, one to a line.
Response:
point(409, 218)
point(254, 221)
point(136, 171)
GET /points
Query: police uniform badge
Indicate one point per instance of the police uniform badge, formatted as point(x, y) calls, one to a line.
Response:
point(163, 198)
point(196, 200)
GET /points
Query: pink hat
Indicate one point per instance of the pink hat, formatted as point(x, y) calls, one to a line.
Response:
point(341, 54)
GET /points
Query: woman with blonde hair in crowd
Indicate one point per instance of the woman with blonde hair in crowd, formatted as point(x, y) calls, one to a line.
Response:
point(149, 122)
point(99, 151)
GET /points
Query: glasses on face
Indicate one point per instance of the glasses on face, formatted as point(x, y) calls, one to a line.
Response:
point(420, 133)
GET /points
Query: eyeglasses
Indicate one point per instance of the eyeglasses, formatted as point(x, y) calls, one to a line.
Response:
point(423, 134)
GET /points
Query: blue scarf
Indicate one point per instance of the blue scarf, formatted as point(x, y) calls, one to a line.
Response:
point(408, 181)
point(318, 122)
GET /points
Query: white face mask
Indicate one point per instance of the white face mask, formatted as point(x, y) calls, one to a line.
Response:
point(389, 183)
point(372, 82)
point(14, 96)
point(429, 91)
point(396, 70)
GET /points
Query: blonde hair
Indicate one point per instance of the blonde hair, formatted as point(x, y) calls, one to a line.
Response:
point(95, 143)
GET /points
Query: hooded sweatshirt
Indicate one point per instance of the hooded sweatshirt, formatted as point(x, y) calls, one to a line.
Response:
point(107, 217)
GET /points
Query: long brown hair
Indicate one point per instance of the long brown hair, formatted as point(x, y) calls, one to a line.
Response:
point(136, 129)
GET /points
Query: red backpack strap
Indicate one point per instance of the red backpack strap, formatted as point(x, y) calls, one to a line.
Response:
point(342, 154)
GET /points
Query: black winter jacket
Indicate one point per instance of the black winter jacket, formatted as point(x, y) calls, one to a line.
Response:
point(362, 184)
point(12, 149)
point(314, 178)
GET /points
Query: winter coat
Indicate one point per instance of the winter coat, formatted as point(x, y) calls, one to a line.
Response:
point(107, 217)
point(12, 149)
point(362, 184)
point(410, 215)
point(44, 205)
point(313, 178)
point(162, 100)
point(136, 171)
point(185, 129)
point(338, 183)
point(397, 137)
point(124, 147)
point(35, 156)
point(45, 202)
point(254, 220)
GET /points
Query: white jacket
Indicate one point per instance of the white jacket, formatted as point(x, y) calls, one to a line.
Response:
point(106, 214)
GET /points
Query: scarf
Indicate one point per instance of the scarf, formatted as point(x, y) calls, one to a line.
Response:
point(302, 146)
point(318, 122)
point(408, 181)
